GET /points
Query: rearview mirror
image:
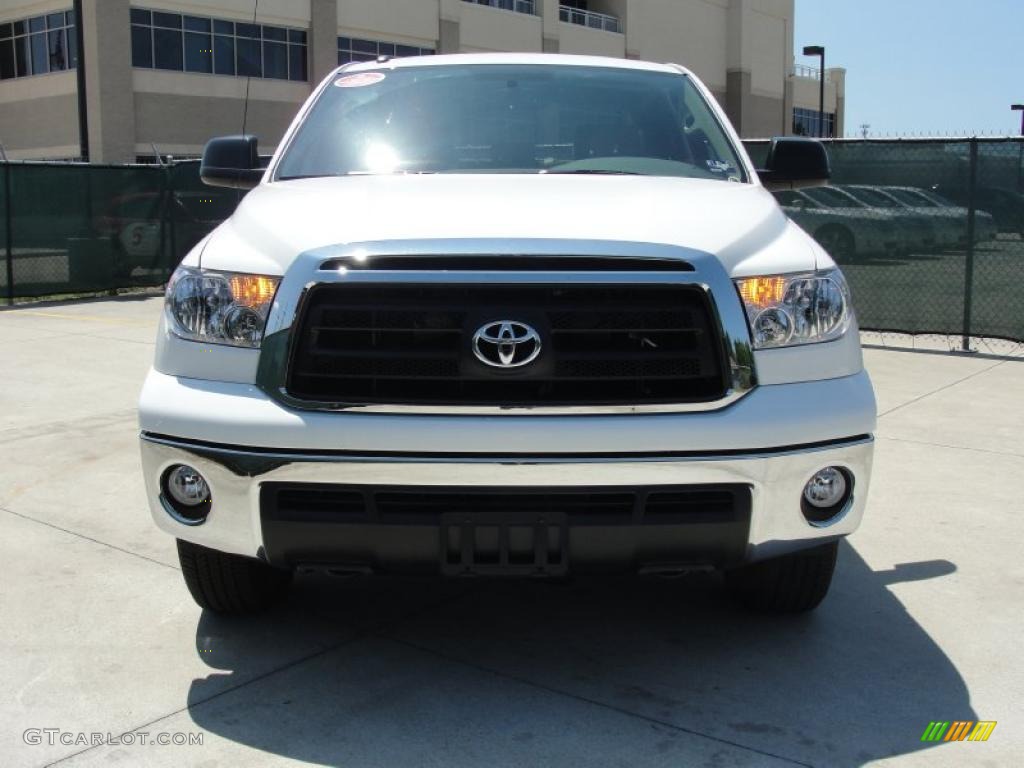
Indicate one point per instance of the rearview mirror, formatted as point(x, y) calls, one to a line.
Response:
point(795, 162)
point(231, 161)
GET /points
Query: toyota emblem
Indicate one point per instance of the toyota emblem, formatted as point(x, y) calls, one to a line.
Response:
point(506, 344)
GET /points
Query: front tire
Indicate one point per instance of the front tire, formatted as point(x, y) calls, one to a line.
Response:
point(794, 583)
point(230, 584)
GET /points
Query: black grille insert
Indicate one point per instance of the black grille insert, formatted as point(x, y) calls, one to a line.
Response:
point(399, 343)
point(387, 527)
point(606, 505)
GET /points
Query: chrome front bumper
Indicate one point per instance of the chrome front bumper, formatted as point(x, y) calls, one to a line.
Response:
point(776, 478)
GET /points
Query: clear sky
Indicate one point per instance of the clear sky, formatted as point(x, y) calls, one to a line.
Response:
point(934, 67)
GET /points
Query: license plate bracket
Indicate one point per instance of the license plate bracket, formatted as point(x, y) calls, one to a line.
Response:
point(504, 544)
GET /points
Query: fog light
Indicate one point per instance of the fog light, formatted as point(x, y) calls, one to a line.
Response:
point(825, 495)
point(186, 494)
point(187, 486)
point(826, 489)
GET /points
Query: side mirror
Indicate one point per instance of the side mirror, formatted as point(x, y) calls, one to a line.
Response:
point(795, 162)
point(231, 161)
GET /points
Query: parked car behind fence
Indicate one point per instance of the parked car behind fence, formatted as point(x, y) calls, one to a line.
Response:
point(918, 231)
point(844, 230)
point(1004, 205)
point(951, 219)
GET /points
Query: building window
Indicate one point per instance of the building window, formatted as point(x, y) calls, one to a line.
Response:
point(217, 46)
point(806, 122)
point(519, 6)
point(355, 49)
point(38, 45)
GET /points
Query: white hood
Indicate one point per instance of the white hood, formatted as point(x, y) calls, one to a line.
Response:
point(738, 223)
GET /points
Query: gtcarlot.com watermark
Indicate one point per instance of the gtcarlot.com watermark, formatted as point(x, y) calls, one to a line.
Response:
point(53, 736)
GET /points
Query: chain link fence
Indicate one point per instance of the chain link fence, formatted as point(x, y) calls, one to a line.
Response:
point(70, 228)
point(928, 232)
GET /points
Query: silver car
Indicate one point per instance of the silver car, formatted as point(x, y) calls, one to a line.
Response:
point(842, 226)
point(952, 216)
point(918, 231)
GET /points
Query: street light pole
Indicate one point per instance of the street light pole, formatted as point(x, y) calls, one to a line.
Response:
point(83, 103)
point(819, 50)
point(1020, 147)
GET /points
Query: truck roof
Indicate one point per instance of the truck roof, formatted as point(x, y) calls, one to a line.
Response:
point(547, 59)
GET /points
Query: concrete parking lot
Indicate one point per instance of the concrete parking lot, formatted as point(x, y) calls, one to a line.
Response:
point(99, 636)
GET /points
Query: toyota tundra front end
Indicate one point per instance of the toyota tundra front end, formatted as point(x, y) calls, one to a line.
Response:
point(508, 315)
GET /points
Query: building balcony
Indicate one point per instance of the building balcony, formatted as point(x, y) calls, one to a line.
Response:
point(517, 6)
point(591, 19)
point(809, 73)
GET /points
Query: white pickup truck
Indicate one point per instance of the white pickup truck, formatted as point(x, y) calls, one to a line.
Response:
point(508, 315)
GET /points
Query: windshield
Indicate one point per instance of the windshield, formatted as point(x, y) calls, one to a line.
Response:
point(872, 197)
point(831, 197)
point(911, 198)
point(487, 118)
point(937, 198)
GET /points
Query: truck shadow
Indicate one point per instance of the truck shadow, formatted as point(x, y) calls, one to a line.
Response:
point(635, 672)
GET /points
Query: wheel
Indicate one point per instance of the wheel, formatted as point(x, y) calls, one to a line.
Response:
point(789, 584)
point(226, 583)
point(837, 240)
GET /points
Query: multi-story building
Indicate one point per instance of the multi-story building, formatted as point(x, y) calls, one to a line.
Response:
point(162, 76)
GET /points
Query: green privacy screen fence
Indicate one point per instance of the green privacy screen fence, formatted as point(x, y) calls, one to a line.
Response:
point(928, 232)
point(79, 228)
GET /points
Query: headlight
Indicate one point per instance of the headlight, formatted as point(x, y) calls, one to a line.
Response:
point(786, 310)
point(219, 307)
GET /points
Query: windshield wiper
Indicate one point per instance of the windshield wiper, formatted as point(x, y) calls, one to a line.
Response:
point(308, 176)
point(591, 172)
point(354, 173)
point(567, 172)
